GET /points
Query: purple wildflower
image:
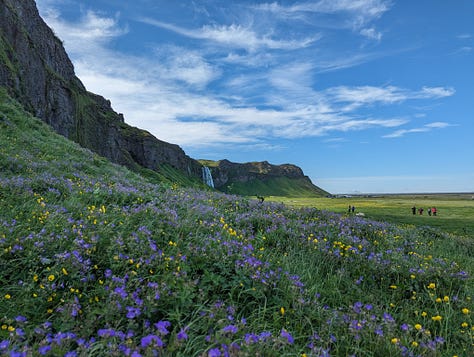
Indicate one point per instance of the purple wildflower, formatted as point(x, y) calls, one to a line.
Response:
point(20, 318)
point(121, 292)
point(387, 317)
point(230, 328)
point(4, 344)
point(162, 327)
point(182, 335)
point(44, 349)
point(250, 338)
point(20, 332)
point(264, 336)
point(106, 332)
point(214, 352)
point(378, 331)
point(357, 307)
point(132, 312)
point(151, 340)
point(287, 335)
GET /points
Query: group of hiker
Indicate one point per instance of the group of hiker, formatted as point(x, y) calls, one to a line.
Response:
point(431, 211)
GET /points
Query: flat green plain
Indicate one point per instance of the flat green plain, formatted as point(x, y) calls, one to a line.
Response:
point(455, 211)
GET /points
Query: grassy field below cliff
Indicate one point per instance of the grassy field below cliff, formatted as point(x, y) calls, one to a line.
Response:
point(96, 260)
point(455, 212)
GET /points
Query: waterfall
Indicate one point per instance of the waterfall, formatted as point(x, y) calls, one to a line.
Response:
point(207, 177)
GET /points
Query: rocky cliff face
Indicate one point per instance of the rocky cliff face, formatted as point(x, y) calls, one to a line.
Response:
point(225, 172)
point(261, 179)
point(36, 70)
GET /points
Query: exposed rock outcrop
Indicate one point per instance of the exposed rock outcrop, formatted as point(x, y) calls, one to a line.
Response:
point(254, 178)
point(36, 70)
point(227, 172)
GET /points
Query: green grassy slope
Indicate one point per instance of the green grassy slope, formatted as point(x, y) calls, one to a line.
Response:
point(34, 133)
point(278, 186)
point(97, 260)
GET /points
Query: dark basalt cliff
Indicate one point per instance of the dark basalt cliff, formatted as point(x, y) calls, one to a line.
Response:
point(261, 178)
point(36, 70)
point(225, 172)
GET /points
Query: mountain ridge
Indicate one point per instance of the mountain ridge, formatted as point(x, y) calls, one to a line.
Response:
point(261, 178)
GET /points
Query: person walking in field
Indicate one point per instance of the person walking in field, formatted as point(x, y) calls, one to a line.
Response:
point(413, 210)
point(420, 211)
point(434, 211)
point(429, 211)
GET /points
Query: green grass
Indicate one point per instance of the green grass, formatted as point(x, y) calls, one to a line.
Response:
point(97, 260)
point(278, 186)
point(455, 211)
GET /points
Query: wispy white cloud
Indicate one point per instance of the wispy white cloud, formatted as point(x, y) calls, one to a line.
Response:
point(435, 92)
point(425, 128)
point(371, 33)
point(234, 36)
point(369, 8)
point(91, 32)
point(355, 14)
point(188, 66)
point(366, 95)
point(335, 140)
point(438, 125)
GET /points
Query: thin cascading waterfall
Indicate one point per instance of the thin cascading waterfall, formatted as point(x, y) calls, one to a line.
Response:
point(207, 177)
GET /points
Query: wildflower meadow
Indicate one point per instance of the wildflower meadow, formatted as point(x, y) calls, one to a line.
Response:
point(99, 261)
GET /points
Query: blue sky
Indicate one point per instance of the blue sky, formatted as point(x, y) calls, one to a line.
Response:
point(366, 96)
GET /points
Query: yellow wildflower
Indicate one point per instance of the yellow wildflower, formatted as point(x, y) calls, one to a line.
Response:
point(431, 286)
point(465, 311)
point(418, 327)
point(8, 296)
point(436, 318)
point(51, 277)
